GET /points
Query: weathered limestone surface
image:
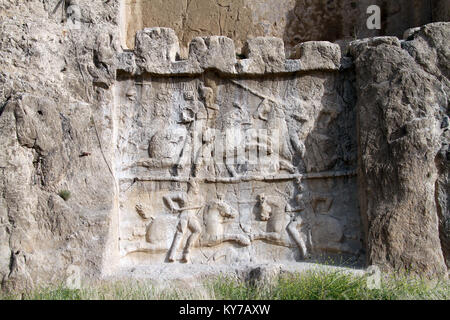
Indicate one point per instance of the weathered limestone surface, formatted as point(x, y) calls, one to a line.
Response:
point(403, 148)
point(157, 53)
point(56, 129)
point(318, 55)
point(294, 21)
point(214, 52)
point(234, 161)
point(157, 48)
point(235, 19)
point(212, 160)
point(177, 138)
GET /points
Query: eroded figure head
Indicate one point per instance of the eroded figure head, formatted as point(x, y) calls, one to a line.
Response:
point(207, 94)
point(193, 186)
point(220, 196)
point(188, 96)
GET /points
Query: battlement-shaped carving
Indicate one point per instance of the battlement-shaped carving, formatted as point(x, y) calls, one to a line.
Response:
point(315, 55)
point(156, 49)
point(214, 52)
point(265, 55)
point(157, 52)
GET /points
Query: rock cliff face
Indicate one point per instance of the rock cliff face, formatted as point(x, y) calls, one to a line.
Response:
point(110, 159)
point(56, 131)
point(403, 147)
point(294, 21)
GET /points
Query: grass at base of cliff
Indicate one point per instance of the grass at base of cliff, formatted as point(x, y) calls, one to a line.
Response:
point(310, 285)
point(334, 285)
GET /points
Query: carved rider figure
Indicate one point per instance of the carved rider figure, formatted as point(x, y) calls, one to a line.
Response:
point(277, 124)
point(273, 211)
point(281, 224)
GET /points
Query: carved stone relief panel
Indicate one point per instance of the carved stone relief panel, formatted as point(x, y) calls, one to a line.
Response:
point(230, 170)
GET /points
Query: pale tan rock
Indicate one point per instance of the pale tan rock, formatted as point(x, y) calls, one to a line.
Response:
point(236, 19)
point(213, 53)
point(357, 46)
point(264, 55)
point(156, 49)
point(126, 62)
point(96, 140)
point(401, 112)
point(55, 107)
point(263, 275)
point(293, 21)
point(318, 55)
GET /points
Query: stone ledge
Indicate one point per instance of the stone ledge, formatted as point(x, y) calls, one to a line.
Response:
point(270, 178)
point(157, 52)
point(164, 274)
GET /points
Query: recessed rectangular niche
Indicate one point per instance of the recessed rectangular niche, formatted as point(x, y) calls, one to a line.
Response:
point(217, 170)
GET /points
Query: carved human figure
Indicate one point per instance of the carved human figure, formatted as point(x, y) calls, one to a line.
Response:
point(193, 109)
point(168, 148)
point(278, 127)
point(233, 138)
point(297, 223)
point(73, 13)
point(212, 108)
point(187, 205)
point(278, 136)
point(283, 224)
point(206, 157)
point(196, 115)
point(264, 110)
point(273, 211)
point(215, 214)
point(293, 228)
point(259, 145)
point(299, 128)
point(300, 215)
point(208, 149)
point(242, 140)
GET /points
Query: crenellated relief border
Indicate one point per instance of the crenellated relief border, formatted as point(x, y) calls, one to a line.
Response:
point(157, 52)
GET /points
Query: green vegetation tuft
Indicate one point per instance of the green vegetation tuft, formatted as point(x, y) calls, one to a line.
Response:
point(65, 194)
point(333, 285)
point(309, 285)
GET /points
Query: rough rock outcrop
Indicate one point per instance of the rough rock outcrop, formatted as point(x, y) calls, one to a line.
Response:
point(403, 148)
point(56, 127)
point(92, 138)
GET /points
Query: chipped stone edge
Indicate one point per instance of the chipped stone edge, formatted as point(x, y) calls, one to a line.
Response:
point(223, 59)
